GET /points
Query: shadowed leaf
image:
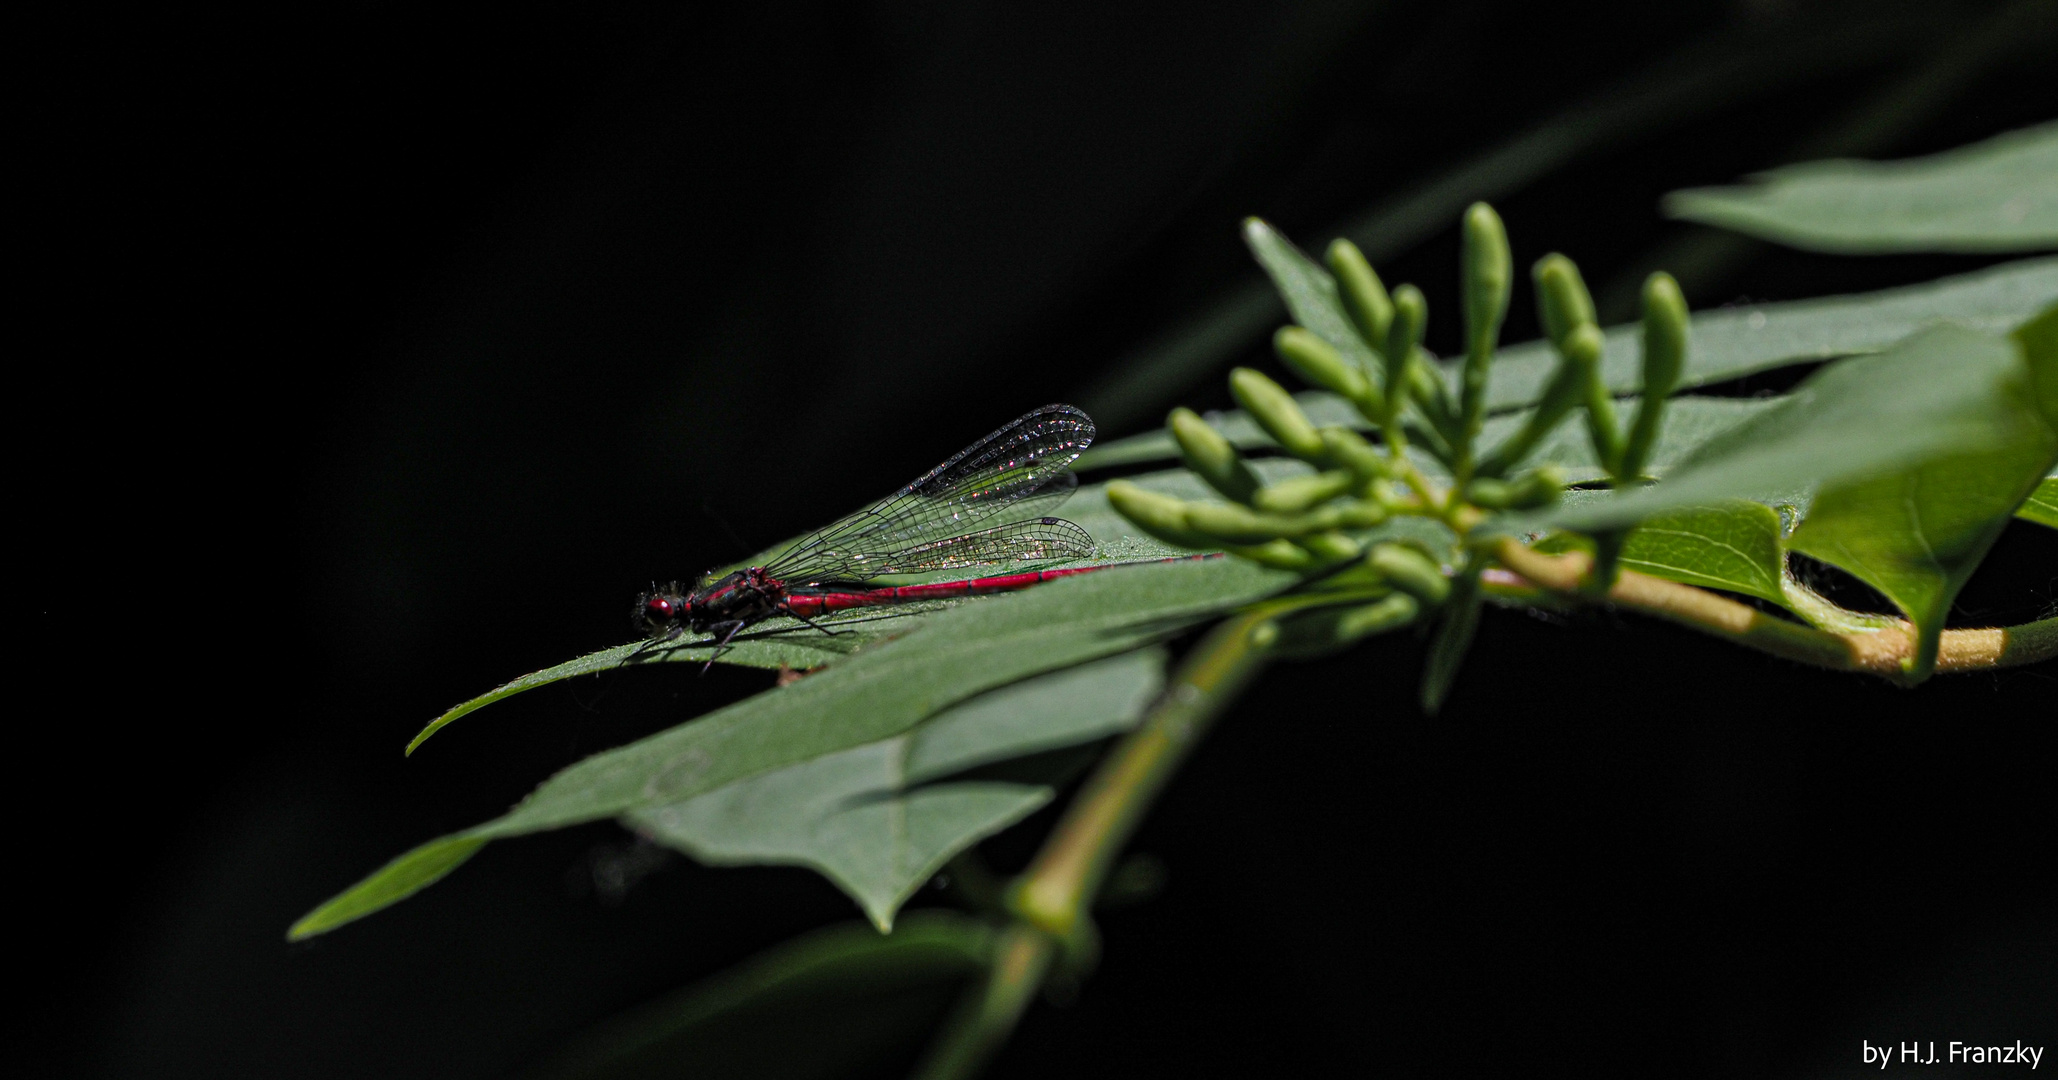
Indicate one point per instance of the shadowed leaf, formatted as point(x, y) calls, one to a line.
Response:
point(887, 690)
point(881, 819)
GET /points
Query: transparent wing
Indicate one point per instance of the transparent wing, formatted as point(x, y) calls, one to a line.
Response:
point(1040, 540)
point(1020, 470)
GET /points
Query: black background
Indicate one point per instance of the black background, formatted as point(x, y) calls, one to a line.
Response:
point(378, 354)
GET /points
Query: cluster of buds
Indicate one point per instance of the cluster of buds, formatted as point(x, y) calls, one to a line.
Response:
point(1318, 523)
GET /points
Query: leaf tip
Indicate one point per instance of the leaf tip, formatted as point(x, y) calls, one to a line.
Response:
point(396, 881)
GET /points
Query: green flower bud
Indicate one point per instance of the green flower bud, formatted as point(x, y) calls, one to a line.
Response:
point(1488, 272)
point(1364, 295)
point(1354, 513)
point(1411, 572)
point(1403, 371)
point(1561, 297)
point(1391, 613)
point(1488, 275)
point(1235, 524)
point(1275, 410)
point(1348, 449)
point(1426, 390)
point(1532, 490)
point(1331, 548)
point(1209, 454)
point(1324, 631)
point(1319, 363)
point(1542, 487)
point(1489, 494)
point(1582, 348)
point(1161, 516)
point(1301, 492)
point(1665, 333)
point(1278, 554)
point(1361, 578)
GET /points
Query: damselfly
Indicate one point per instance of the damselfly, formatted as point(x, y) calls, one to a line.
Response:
point(983, 507)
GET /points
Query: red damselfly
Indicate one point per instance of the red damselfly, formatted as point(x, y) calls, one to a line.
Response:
point(942, 521)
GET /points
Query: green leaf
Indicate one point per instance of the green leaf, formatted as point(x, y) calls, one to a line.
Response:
point(1310, 293)
point(1738, 546)
point(1918, 456)
point(390, 884)
point(1944, 393)
point(1917, 535)
point(774, 643)
point(2042, 504)
point(884, 691)
point(879, 819)
point(1997, 195)
point(1726, 343)
point(824, 1002)
point(1730, 342)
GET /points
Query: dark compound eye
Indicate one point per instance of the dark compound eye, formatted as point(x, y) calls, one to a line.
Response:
point(658, 609)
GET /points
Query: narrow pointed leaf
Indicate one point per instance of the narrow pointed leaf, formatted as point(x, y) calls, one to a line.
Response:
point(774, 643)
point(1996, 195)
point(1310, 293)
point(390, 884)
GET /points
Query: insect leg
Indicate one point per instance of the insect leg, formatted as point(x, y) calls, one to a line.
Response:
point(735, 627)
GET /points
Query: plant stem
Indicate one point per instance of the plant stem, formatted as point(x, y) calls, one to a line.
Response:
point(1058, 887)
point(1051, 898)
point(990, 1009)
point(1874, 651)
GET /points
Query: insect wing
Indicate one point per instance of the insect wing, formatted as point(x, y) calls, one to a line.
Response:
point(1021, 469)
point(1039, 540)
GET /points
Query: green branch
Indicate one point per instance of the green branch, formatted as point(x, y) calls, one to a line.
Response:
point(1051, 898)
point(1877, 650)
